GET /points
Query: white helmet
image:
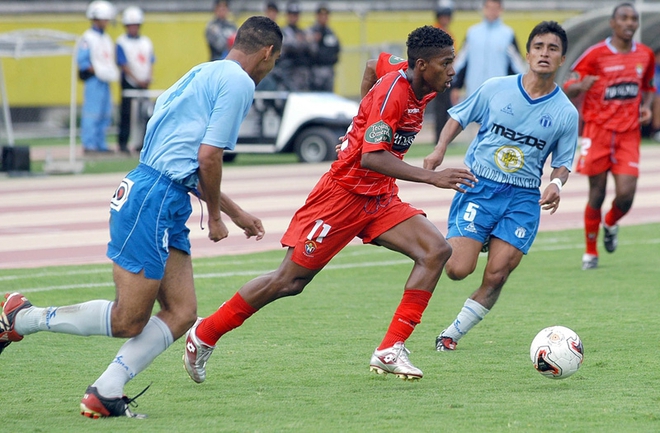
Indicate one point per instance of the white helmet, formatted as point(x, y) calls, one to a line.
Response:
point(132, 15)
point(101, 10)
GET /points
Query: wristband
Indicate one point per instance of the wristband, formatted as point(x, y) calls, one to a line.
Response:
point(557, 182)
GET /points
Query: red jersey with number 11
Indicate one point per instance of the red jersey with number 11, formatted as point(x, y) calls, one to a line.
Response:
point(389, 118)
point(614, 99)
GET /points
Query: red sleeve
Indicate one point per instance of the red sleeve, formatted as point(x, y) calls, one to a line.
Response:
point(388, 63)
point(390, 96)
point(583, 66)
point(648, 84)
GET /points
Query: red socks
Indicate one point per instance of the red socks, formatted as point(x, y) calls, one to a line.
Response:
point(613, 216)
point(591, 226)
point(406, 317)
point(235, 311)
point(230, 315)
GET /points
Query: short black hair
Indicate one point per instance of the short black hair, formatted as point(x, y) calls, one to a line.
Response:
point(622, 5)
point(258, 32)
point(273, 6)
point(545, 27)
point(425, 43)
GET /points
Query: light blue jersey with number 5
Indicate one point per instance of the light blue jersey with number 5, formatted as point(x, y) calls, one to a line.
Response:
point(517, 133)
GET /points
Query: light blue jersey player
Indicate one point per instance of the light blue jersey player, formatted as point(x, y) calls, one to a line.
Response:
point(517, 135)
point(525, 119)
point(184, 118)
point(194, 121)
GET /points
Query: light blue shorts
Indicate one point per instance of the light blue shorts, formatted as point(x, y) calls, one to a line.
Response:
point(507, 212)
point(148, 215)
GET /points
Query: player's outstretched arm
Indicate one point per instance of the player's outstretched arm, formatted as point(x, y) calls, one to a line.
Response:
point(369, 77)
point(250, 224)
point(451, 129)
point(385, 163)
point(574, 88)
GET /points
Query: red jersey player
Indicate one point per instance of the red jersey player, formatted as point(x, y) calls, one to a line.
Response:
point(616, 78)
point(358, 197)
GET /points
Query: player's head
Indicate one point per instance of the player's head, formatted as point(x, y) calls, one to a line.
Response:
point(619, 6)
point(259, 33)
point(624, 21)
point(546, 27)
point(427, 42)
point(430, 59)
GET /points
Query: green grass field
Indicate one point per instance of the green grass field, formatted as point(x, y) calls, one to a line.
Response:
point(301, 364)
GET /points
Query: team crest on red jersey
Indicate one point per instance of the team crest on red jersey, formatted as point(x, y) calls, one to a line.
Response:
point(310, 247)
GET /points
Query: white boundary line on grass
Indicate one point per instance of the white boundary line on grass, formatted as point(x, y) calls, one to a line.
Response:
point(261, 271)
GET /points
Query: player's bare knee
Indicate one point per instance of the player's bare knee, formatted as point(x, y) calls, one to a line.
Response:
point(496, 280)
point(436, 254)
point(456, 271)
point(127, 330)
point(287, 286)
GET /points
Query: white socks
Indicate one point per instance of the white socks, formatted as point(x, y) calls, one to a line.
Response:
point(93, 318)
point(88, 318)
point(471, 314)
point(133, 357)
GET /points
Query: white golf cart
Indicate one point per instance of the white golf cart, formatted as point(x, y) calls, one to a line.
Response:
point(307, 123)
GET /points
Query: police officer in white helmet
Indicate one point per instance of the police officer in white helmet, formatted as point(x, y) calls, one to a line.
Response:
point(135, 57)
point(96, 67)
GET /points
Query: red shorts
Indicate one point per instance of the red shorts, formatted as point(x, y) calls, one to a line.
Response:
point(602, 150)
point(331, 217)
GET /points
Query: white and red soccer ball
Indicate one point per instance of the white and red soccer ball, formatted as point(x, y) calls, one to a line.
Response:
point(556, 352)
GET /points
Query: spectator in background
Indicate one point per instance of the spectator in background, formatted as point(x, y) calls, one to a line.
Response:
point(96, 67)
point(135, 57)
point(296, 56)
point(272, 10)
point(489, 50)
point(442, 101)
point(655, 124)
point(220, 32)
point(616, 78)
point(325, 49)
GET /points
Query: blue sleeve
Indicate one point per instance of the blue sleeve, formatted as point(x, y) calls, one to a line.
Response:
point(472, 109)
point(228, 113)
point(567, 143)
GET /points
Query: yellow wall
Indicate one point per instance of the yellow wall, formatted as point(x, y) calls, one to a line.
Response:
point(179, 44)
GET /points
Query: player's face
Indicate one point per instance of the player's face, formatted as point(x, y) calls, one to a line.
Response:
point(439, 70)
point(544, 56)
point(625, 23)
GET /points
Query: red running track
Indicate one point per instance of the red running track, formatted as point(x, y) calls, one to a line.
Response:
point(62, 220)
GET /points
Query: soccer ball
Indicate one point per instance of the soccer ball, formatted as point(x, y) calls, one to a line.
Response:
point(556, 352)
